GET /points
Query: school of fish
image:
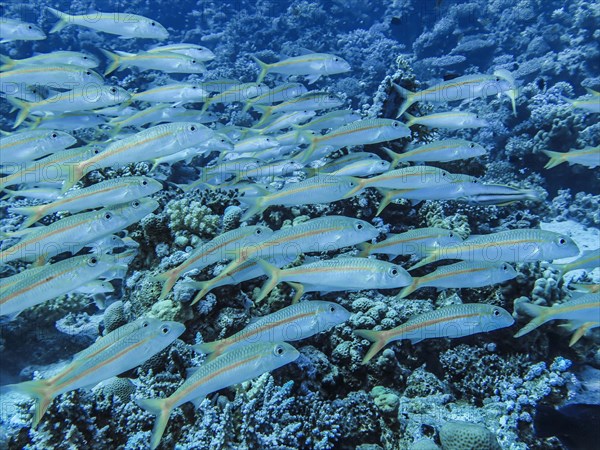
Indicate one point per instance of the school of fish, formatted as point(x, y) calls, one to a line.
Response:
point(296, 132)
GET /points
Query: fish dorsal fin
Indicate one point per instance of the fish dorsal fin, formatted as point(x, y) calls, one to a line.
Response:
point(305, 51)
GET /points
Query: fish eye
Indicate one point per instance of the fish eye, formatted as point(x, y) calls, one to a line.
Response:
point(497, 78)
point(165, 330)
point(192, 128)
point(85, 57)
point(258, 231)
point(153, 24)
point(443, 174)
point(394, 271)
point(359, 226)
point(471, 145)
point(54, 135)
point(505, 267)
point(561, 241)
point(278, 350)
point(194, 87)
point(113, 90)
point(496, 312)
point(87, 72)
point(96, 151)
point(135, 203)
point(92, 261)
point(108, 216)
point(395, 124)
point(144, 182)
point(193, 61)
point(30, 27)
point(332, 308)
point(145, 324)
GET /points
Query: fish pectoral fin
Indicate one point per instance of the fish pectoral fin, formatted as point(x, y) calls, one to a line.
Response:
point(312, 78)
point(581, 331)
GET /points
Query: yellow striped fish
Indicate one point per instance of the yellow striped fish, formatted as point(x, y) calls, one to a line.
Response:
point(452, 321)
point(231, 368)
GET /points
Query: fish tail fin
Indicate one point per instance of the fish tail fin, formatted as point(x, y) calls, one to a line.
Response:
point(408, 99)
point(162, 411)
point(264, 68)
point(581, 331)
point(556, 158)
point(168, 280)
point(361, 183)
point(76, 174)
point(273, 274)
point(388, 196)
point(24, 109)
point(33, 213)
point(38, 390)
point(513, 94)
point(203, 287)
point(114, 61)
point(365, 248)
point(63, 20)
point(298, 291)
point(249, 103)
point(588, 90)
point(213, 349)
point(396, 157)
point(411, 119)
point(7, 62)
point(266, 111)
point(539, 314)
point(432, 256)
point(409, 289)
point(255, 207)
point(379, 340)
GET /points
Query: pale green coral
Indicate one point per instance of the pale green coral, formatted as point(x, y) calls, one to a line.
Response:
point(385, 399)
point(192, 216)
point(467, 436)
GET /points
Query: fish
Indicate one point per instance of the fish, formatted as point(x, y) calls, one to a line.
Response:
point(311, 101)
point(198, 52)
point(284, 121)
point(167, 62)
point(322, 234)
point(280, 93)
point(119, 351)
point(68, 121)
point(589, 104)
point(583, 313)
point(361, 132)
point(412, 242)
point(72, 233)
point(231, 368)
point(269, 170)
point(337, 274)
point(520, 245)
point(291, 323)
point(438, 151)
point(62, 76)
point(451, 120)
point(44, 193)
point(362, 168)
point(79, 99)
point(573, 424)
point(590, 288)
point(318, 189)
point(588, 260)
point(332, 119)
point(218, 249)
point(413, 177)
point(106, 193)
point(588, 157)
point(148, 144)
point(84, 60)
point(51, 281)
point(452, 321)
point(179, 93)
point(53, 168)
point(26, 146)
point(461, 88)
point(125, 25)
point(16, 30)
point(311, 65)
point(237, 93)
point(464, 274)
point(254, 144)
